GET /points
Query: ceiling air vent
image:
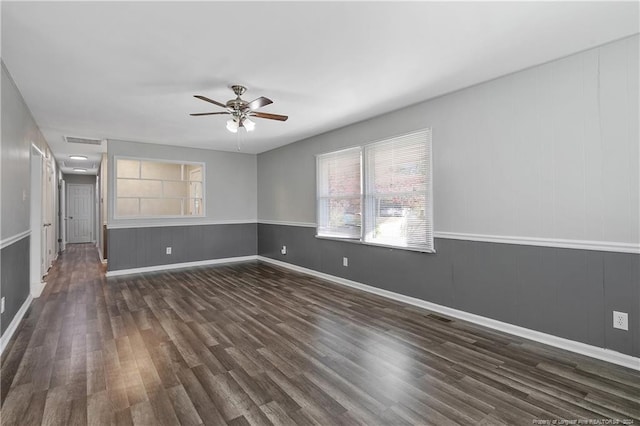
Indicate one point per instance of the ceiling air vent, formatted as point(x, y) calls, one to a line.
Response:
point(86, 141)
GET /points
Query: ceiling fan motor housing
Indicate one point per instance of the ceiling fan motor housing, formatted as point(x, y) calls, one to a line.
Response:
point(236, 104)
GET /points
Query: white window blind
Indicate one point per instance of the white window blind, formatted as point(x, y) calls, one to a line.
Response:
point(398, 195)
point(339, 194)
point(380, 193)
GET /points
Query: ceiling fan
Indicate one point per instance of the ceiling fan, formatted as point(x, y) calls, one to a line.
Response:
point(240, 110)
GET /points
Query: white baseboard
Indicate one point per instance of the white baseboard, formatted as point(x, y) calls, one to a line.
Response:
point(548, 339)
point(102, 259)
point(37, 288)
point(610, 246)
point(180, 265)
point(180, 221)
point(286, 223)
point(544, 242)
point(13, 326)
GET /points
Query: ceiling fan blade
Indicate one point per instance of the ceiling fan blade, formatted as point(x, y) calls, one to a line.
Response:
point(269, 116)
point(208, 113)
point(204, 98)
point(258, 103)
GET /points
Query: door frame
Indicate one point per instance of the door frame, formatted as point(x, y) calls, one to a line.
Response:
point(36, 284)
point(63, 215)
point(92, 238)
point(49, 189)
point(97, 236)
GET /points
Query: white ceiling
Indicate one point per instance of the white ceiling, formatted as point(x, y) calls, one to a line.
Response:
point(119, 70)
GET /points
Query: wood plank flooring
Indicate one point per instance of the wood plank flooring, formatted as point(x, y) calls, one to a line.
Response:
point(254, 344)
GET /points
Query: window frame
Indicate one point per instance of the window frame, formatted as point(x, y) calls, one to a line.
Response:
point(363, 176)
point(156, 160)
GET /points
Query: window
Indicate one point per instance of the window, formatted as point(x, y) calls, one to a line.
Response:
point(147, 188)
point(379, 193)
point(339, 194)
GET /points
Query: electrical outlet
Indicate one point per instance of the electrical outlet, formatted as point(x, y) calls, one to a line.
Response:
point(2, 306)
point(620, 320)
point(24, 195)
point(283, 250)
point(345, 261)
point(168, 250)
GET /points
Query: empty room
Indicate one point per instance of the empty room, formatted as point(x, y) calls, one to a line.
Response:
point(320, 213)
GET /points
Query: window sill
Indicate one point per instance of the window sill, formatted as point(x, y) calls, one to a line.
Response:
point(363, 243)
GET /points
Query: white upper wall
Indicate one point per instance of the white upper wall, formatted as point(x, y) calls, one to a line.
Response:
point(550, 152)
point(230, 182)
point(19, 132)
point(79, 179)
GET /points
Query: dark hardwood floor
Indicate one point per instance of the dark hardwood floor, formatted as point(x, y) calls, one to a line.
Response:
point(254, 344)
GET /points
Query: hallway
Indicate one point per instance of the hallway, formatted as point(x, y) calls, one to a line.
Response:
point(249, 343)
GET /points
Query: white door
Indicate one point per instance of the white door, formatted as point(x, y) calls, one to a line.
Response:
point(79, 213)
point(63, 215)
point(46, 226)
point(48, 237)
point(36, 258)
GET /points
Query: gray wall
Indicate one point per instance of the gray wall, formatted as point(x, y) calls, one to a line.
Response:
point(564, 292)
point(14, 276)
point(146, 246)
point(19, 131)
point(548, 154)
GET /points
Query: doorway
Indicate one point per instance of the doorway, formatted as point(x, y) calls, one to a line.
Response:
point(42, 218)
point(37, 259)
point(80, 217)
point(49, 243)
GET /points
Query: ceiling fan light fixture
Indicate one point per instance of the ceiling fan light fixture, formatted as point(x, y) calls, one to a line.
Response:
point(248, 124)
point(232, 126)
